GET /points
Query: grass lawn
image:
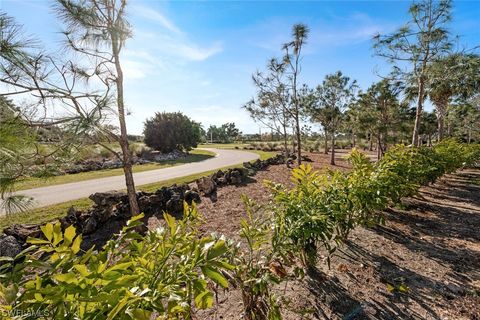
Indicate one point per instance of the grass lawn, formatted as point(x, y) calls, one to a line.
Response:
point(30, 183)
point(45, 214)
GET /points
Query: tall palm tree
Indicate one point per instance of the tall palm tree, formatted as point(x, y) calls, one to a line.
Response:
point(293, 51)
point(455, 75)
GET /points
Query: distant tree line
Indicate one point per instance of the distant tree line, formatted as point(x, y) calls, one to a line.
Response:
point(226, 133)
point(425, 68)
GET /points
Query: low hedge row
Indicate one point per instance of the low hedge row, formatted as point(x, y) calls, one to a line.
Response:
point(169, 273)
point(323, 208)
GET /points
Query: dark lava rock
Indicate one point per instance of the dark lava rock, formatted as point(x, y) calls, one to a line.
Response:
point(206, 186)
point(91, 225)
point(175, 205)
point(191, 196)
point(22, 231)
point(306, 159)
point(110, 198)
point(9, 246)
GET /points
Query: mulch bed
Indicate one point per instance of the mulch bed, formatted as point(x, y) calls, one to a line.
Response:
point(431, 246)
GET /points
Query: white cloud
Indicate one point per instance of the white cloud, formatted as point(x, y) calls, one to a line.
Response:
point(156, 16)
point(134, 69)
point(144, 57)
point(168, 42)
point(175, 47)
point(195, 53)
point(346, 30)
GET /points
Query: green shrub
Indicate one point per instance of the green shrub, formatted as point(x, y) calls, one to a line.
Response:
point(261, 266)
point(86, 152)
point(169, 131)
point(105, 153)
point(322, 209)
point(167, 272)
point(272, 146)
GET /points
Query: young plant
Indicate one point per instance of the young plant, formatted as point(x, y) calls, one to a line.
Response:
point(301, 212)
point(162, 275)
point(261, 264)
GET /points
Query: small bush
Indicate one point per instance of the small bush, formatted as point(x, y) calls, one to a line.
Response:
point(104, 153)
point(166, 132)
point(166, 272)
point(85, 153)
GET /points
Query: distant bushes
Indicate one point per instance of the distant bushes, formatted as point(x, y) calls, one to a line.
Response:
point(168, 131)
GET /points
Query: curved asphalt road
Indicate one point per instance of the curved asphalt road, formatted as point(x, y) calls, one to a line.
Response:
point(71, 191)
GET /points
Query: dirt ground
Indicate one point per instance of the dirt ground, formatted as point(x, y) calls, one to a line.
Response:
point(430, 247)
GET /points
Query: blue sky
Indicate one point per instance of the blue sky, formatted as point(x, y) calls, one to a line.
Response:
point(198, 56)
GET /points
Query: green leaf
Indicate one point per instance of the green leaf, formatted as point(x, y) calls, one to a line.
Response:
point(47, 231)
point(135, 218)
point(6, 259)
point(390, 288)
point(65, 277)
point(132, 223)
point(69, 234)
point(57, 234)
point(215, 276)
point(218, 249)
point(403, 288)
point(140, 314)
point(171, 222)
point(120, 305)
point(204, 300)
point(223, 265)
point(82, 269)
point(119, 266)
point(76, 244)
point(37, 241)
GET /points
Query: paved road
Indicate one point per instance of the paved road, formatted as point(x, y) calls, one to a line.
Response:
point(71, 191)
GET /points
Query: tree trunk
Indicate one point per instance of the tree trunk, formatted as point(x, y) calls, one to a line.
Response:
point(418, 114)
point(285, 141)
point(441, 104)
point(325, 146)
point(370, 138)
point(299, 138)
point(354, 140)
point(385, 143)
point(123, 140)
point(332, 155)
point(379, 146)
point(441, 125)
point(429, 139)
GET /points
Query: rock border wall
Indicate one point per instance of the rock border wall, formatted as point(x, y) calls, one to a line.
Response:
point(111, 210)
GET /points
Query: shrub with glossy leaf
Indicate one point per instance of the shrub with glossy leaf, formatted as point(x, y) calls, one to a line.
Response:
point(164, 274)
point(262, 265)
point(324, 208)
